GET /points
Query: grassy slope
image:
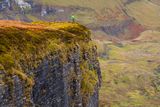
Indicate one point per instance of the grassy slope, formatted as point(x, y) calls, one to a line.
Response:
point(129, 75)
point(149, 35)
point(156, 2)
point(94, 4)
point(145, 12)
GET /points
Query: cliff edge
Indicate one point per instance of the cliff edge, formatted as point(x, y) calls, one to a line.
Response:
point(47, 65)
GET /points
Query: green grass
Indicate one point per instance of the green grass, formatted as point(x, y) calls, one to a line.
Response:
point(96, 4)
point(128, 75)
point(145, 12)
point(21, 43)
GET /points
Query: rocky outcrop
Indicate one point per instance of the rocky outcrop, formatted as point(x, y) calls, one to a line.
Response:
point(48, 65)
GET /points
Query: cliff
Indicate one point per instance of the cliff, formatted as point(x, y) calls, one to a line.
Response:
point(47, 65)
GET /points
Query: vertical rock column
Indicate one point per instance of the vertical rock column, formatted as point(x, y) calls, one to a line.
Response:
point(3, 89)
point(77, 81)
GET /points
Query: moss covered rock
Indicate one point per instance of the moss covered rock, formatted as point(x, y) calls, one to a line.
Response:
point(47, 64)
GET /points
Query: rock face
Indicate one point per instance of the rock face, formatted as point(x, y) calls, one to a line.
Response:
point(69, 78)
point(53, 82)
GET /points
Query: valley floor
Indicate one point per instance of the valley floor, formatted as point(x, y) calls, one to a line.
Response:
point(131, 75)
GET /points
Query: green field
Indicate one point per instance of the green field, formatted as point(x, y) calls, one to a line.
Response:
point(130, 77)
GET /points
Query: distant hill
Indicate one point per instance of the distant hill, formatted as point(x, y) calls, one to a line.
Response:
point(121, 19)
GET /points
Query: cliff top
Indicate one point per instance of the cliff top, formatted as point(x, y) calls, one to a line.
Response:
point(31, 42)
point(67, 27)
